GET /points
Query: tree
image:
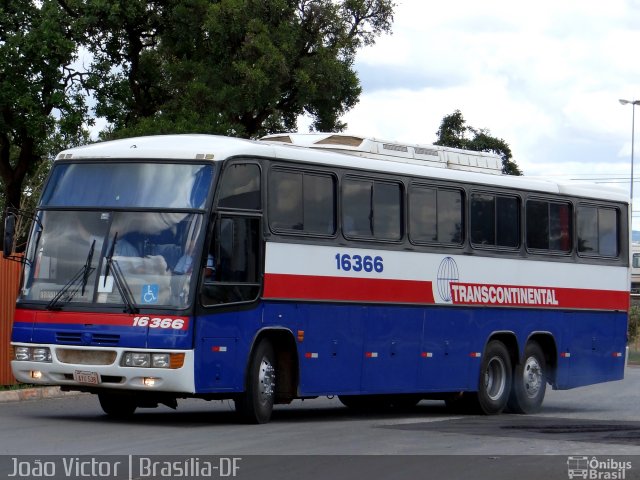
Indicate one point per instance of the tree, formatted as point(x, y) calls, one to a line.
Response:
point(41, 103)
point(235, 67)
point(454, 132)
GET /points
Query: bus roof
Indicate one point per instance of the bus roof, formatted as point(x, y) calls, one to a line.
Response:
point(218, 148)
point(374, 148)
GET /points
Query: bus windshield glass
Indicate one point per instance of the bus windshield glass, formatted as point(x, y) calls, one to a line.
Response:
point(120, 184)
point(91, 252)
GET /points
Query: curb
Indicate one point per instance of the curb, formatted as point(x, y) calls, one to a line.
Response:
point(38, 393)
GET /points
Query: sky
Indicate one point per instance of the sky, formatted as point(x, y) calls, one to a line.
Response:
point(545, 76)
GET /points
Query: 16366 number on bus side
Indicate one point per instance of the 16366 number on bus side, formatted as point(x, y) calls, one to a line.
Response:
point(359, 263)
point(158, 322)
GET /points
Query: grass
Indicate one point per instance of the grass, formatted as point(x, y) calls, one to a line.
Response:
point(17, 386)
point(634, 355)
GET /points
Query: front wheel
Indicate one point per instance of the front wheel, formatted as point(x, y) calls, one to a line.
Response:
point(256, 403)
point(529, 382)
point(494, 385)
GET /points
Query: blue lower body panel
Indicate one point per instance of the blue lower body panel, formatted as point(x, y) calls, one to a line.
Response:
point(369, 349)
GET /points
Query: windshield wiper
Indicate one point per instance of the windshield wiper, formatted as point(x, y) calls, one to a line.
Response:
point(119, 279)
point(87, 267)
point(109, 257)
point(78, 281)
point(123, 287)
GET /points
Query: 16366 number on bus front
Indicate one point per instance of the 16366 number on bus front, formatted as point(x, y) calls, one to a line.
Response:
point(158, 322)
point(359, 263)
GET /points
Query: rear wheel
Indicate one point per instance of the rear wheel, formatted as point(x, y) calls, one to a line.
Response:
point(255, 405)
point(116, 405)
point(529, 382)
point(494, 385)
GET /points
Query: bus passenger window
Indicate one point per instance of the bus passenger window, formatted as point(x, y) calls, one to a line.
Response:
point(435, 215)
point(548, 226)
point(495, 220)
point(372, 209)
point(302, 202)
point(598, 231)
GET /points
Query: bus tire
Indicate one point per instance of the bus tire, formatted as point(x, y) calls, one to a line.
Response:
point(116, 405)
point(529, 382)
point(494, 385)
point(256, 403)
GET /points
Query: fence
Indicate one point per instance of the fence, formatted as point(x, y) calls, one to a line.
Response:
point(9, 285)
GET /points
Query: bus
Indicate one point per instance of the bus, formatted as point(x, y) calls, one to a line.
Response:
point(305, 265)
point(635, 270)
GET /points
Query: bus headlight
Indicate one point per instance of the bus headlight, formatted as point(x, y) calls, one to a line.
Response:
point(160, 360)
point(136, 359)
point(153, 360)
point(22, 353)
point(34, 354)
point(41, 355)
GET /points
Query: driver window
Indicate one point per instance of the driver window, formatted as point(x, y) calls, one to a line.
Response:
point(232, 273)
point(240, 187)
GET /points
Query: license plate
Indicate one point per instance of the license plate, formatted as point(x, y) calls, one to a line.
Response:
point(91, 378)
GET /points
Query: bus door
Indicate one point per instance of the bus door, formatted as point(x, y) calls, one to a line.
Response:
point(231, 277)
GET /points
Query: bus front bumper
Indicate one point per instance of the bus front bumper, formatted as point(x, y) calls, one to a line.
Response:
point(99, 367)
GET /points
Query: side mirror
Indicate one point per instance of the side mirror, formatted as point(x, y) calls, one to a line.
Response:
point(9, 235)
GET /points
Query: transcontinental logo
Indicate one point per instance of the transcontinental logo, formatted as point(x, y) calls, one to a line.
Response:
point(453, 288)
point(469, 293)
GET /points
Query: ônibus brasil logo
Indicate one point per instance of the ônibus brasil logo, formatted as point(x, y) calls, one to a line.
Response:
point(597, 469)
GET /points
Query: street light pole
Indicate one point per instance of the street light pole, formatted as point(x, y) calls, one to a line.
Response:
point(633, 131)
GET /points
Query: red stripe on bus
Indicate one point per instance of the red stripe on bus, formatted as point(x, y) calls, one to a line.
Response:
point(538, 296)
point(93, 318)
point(309, 287)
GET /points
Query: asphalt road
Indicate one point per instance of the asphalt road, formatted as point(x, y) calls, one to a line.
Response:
point(600, 421)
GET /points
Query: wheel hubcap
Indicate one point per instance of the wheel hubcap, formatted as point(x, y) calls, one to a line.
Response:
point(495, 378)
point(267, 380)
point(532, 377)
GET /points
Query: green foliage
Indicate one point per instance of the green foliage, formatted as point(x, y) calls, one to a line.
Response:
point(235, 67)
point(41, 101)
point(454, 132)
point(634, 320)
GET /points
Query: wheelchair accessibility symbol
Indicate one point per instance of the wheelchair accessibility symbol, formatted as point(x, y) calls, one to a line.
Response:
point(150, 293)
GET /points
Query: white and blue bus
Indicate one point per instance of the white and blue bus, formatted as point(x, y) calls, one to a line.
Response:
point(169, 267)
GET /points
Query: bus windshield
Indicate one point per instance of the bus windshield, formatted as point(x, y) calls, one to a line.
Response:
point(120, 184)
point(91, 252)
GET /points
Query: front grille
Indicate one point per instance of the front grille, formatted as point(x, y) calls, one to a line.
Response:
point(86, 357)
